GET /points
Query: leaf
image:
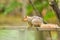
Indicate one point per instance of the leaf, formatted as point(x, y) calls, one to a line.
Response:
point(49, 14)
point(2, 5)
point(29, 9)
point(38, 6)
point(11, 7)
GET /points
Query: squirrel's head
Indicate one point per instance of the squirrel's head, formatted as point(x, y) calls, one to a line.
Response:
point(25, 18)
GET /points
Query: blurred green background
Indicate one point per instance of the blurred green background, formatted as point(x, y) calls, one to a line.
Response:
point(12, 11)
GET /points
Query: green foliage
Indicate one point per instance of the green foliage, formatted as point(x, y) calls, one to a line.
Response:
point(29, 9)
point(2, 5)
point(49, 14)
point(11, 7)
point(38, 5)
point(45, 3)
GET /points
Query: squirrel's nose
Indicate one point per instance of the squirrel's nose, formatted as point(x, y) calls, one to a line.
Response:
point(25, 19)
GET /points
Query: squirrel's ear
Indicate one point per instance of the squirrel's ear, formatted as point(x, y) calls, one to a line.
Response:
point(25, 16)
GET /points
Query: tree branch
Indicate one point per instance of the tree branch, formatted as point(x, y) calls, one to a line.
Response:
point(55, 7)
point(37, 12)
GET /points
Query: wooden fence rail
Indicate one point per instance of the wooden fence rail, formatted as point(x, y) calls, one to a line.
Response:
point(25, 27)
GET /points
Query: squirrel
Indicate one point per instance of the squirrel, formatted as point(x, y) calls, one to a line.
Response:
point(33, 21)
point(36, 21)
